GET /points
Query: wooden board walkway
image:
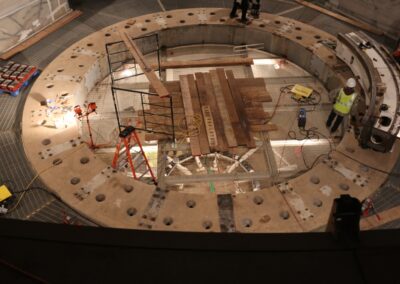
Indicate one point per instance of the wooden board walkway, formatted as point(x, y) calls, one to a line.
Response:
point(219, 99)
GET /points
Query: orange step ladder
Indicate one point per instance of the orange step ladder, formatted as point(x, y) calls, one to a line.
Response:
point(123, 157)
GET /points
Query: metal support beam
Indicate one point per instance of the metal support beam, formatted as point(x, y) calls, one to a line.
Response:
point(173, 180)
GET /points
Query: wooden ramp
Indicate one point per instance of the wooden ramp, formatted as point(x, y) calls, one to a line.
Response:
point(230, 109)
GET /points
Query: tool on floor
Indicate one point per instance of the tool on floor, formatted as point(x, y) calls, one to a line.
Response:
point(123, 155)
point(302, 119)
point(300, 92)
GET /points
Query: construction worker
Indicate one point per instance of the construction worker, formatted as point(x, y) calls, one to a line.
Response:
point(255, 9)
point(244, 6)
point(343, 103)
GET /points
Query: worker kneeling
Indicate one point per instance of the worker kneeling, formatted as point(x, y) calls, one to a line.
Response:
point(342, 106)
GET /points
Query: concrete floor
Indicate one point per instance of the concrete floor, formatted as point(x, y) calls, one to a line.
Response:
point(38, 205)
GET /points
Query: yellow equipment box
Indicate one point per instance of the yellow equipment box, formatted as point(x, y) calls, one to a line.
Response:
point(301, 91)
point(4, 193)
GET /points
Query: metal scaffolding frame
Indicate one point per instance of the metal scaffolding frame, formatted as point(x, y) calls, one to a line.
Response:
point(118, 55)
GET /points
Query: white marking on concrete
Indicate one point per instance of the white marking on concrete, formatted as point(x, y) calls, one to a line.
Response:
point(94, 183)
point(296, 201)
point(60, 148)
point(326, 190)
point(347, 173)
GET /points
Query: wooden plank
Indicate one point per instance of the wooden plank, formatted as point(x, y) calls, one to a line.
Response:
point(230, 106)
point(210, 98)
point(158, 86)
point(41, 34)
point(228, 129)
point(207, 112)
point(263, 127)
point(255, 93)
point(250, 82)
point(225, 61)
point(189, 113)
point(239, 106)
point(203, 139)
point(356, 23)
point(256, 113)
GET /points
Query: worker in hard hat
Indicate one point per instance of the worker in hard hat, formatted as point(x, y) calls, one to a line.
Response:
point(342, 106)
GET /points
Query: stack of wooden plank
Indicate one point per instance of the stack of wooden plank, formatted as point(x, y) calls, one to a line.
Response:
point(230, 110)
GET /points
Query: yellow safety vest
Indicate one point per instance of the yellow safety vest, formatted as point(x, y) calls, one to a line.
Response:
point(344, 102)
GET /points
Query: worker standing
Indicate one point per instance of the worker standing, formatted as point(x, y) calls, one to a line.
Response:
point(255, 9)
point(342, 106)
point(244, 6)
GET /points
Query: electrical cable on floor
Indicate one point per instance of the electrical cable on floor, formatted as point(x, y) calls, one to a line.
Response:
point(368, 166)
point(311, 133)
point(26, 188)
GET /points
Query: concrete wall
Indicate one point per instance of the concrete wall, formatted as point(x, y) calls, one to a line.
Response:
point(19, 19)
point(383, 14)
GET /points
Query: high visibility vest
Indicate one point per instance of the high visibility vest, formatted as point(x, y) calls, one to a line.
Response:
point(344, 102)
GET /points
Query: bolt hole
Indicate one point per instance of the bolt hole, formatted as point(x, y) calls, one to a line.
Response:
point(127, 27)
point(182, 21)
point(128, 188)
point(131, 211)
point(284, 215)
point(74, 56)
point(84, 160)
point(222, 20)
point(258, 200)
point(49, 86)
point(212, 13)
point(376, 139)
point(262, 26)
point(297, 28)
point(80, 65)
point(60, 70)
point(385, 121)
point(207, 225)
point(317, 37)
point(315, 180)
point(317, 203)
point(144, 29)
point(191, 203)
point(100, 197)
point(299, 37)
point(90, 44)
point(247, 223)
point(57, 162)
point(75, 180)
point(277, 22)
point(169, 16)
point(168, 221)
point(190, 14)
point(107, 34)
point(147, 20)
point(46, 142)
